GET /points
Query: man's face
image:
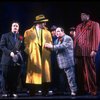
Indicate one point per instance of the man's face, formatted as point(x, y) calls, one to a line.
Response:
point(42, 25)
point(72, 32)
point(84, 17)
point(59, 33)
point(15, 28)
point(53, 33)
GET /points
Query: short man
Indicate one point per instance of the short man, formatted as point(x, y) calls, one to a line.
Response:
point(65, 57)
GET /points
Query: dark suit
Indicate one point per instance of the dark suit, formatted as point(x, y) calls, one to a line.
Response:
point(10, 70)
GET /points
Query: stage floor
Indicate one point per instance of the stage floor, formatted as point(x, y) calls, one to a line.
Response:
point(26, 96)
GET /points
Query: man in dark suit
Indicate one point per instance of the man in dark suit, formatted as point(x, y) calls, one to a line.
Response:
point(10, 45)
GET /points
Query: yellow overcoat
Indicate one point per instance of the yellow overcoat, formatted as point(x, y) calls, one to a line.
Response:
point(38, 68)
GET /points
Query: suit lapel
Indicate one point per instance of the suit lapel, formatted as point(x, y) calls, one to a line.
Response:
point(82, 30)
point(11, 39)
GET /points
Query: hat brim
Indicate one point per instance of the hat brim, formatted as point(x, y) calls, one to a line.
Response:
point(41, 21)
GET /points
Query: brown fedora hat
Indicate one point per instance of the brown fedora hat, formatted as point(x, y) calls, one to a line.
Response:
point(40, 19)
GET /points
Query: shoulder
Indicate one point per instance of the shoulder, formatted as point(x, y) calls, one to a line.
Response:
point(30, 30)
point(67, 37)
point(6, 34)
point(46, 30)
point(95, 22)
point(78, 26)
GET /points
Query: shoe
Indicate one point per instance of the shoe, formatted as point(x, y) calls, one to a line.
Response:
point(93, 93)
point(73, 93)
point(50, 92)
point(15, 95)
point(39, 92)
point(4, 95)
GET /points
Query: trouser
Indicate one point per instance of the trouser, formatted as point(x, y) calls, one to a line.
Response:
point(10, 77)
point(61, 81)
point(70, 73)
point(86, 74)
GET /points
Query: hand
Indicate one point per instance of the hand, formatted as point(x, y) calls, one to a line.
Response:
point(48, 45)
point(93, 53)
point(15, 58)
point(12, 54)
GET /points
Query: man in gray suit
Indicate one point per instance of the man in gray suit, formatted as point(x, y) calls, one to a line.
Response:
point(65, 57)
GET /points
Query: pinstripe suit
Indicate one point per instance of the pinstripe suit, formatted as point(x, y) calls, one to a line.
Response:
point(86, 41)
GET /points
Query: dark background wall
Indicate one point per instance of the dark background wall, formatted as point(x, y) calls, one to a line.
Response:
point(60, 13)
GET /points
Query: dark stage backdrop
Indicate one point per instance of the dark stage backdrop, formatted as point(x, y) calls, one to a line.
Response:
point(60, 13)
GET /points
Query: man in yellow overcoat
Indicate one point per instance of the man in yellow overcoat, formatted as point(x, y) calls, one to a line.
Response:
point(38, 65)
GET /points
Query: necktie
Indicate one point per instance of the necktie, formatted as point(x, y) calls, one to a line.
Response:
point(15, 37)
point(40, 37)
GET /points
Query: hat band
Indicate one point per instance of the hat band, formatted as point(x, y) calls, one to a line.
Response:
point(41, 19)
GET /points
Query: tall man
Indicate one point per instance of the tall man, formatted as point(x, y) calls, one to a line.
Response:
point(86, 45)
point(39, 60)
